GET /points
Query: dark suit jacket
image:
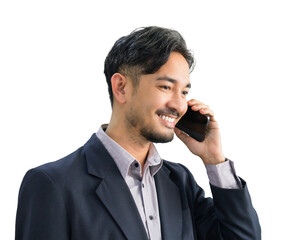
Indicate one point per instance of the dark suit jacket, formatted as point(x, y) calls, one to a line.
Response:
point(84, 197)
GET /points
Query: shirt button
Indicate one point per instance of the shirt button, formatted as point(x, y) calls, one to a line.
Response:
point(136, 165)
point(151, 217)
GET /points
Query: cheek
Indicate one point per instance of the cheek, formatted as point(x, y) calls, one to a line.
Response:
point(152, 102)
point(184, 110)
point(158, 100)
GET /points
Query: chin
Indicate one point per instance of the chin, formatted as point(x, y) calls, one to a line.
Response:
point(157, 137)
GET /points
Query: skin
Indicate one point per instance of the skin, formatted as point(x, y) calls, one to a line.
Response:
point(163, 92)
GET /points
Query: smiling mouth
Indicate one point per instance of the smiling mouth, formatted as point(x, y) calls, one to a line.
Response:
point(167, 118)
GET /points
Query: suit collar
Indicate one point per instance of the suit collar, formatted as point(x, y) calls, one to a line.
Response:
point(124, 159)
point(169, 205)
point(98, 159)
point(113, 190)
point(115, 195)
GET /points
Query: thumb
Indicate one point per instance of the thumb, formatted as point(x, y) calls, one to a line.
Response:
point(183, 136)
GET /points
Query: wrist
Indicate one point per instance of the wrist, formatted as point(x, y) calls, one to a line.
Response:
point(213, 160)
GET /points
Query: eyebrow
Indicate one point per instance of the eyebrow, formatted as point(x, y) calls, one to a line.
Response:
point(172, 80)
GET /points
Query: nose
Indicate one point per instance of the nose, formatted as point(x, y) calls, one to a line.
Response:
point(178, 103)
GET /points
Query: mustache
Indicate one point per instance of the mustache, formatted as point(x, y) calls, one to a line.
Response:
point(169, 111)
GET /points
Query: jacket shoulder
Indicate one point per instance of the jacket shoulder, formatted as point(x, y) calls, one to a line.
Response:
point(58, 171)
point(177, 169)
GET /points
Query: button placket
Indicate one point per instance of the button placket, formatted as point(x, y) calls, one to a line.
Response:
point(149, 211)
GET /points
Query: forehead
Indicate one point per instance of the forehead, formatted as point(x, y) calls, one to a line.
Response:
point(175, 62)
point(175, 68)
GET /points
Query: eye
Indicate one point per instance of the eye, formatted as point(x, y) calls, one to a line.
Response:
point(165, 87)
point(185, 93)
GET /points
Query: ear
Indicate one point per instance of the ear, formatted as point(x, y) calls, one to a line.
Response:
point(119, 85)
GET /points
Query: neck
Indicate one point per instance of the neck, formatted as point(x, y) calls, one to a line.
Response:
point(129, 140)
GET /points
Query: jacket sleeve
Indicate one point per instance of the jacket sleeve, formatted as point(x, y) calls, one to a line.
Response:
point(229, 215)
point(41, 212)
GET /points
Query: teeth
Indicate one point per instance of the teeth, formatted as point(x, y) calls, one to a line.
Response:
point(169, 119)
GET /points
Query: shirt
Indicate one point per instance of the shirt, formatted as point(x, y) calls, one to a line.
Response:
point(143, 188)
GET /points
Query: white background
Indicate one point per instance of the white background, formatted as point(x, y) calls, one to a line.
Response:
point(53, 94)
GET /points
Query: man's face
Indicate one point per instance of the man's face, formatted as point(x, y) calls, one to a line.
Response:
point(159, 101)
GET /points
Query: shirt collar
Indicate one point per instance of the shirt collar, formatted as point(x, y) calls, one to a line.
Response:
point(124, 159)
point(153, 160)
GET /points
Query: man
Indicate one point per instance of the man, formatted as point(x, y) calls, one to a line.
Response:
point(116, 186)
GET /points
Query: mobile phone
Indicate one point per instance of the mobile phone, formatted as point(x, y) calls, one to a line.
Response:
point(194, 124)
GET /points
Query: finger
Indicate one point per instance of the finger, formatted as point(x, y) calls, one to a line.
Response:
point(181, 135)
point(193, 102)
point(202, 108)
point(199, 106)
point(207, 111)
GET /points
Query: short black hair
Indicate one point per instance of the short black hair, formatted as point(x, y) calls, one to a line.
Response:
point(144, 51)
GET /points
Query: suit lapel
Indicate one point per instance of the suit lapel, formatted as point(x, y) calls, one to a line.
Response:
point(169, 205)
point(113, 190)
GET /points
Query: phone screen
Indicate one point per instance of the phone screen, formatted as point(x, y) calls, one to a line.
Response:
point(194, 124)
